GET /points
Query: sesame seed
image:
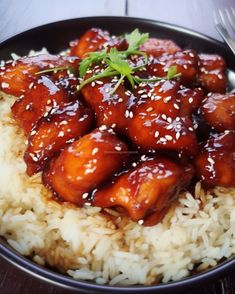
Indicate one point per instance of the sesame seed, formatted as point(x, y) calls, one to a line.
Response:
point(177, 118)
point(176, 106)
point(85, 195)
point(167, 99)
point(169, 119)
point(185, 66)
point(211, 160)
point(103, 127)
point(160, 90)
point(140, 222)
point(156, 134)
point(131, 114)
point(220, 76)
point(61, 134)
point(31, 85)
point(120, 100)
point(191, 54)
point(149, 109)
point(143, 158)
point(134, 164)
point(163, 140)
point(190, 100)
point(190, 129)
point(99, 82)
point(94, 151)
point(93, 84)
point(141, 91)
point(127, 113)
point(177, 135)
point(164, 116)
point(169, 127)
point(168, 137)
point(118, 148)
point(63, 122)
point(5, 85)
point(144, 96)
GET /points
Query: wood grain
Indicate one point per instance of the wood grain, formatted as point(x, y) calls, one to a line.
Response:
point(193, 14)
point(19, 15)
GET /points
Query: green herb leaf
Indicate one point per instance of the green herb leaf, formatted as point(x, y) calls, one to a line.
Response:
point(172, 72)
point(116, 62)
point(92, 57)
point(135, 39)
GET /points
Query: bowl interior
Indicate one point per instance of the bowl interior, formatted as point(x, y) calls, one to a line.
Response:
point(56, 37)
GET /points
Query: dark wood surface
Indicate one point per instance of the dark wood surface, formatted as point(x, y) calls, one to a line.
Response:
point(19, 15)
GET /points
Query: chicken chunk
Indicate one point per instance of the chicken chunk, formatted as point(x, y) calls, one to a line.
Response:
point(61, 126)
point(212, 75)
point(85, 165)
point(156, 121)
point(16, 77)
point(215, 164)
point(186, 62)
point(189, 100)
point(111, 110)
point(157, 47)
point(94, 40)
point(37, 101)
point(219, 111)
point(146, 189)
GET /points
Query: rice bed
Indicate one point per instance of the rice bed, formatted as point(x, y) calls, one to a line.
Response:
point(86, 245)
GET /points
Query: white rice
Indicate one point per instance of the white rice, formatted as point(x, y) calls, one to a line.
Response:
point(81, 242)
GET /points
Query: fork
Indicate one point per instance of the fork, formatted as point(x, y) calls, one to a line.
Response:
point(225, 25)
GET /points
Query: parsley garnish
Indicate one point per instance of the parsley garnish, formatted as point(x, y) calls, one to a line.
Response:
point(115, 63)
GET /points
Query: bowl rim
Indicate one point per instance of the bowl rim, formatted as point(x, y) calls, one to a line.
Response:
point(66, 281)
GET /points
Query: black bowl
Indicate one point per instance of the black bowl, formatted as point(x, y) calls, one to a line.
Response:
point(55, 37)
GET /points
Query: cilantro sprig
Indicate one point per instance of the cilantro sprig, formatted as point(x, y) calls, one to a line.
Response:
point(114, 63)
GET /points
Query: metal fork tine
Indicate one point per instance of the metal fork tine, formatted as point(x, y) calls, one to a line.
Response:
point(223, 23)
point(230, 19)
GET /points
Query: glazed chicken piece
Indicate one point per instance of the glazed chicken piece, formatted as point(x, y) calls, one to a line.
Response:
point(85, 165)
point(95, 40)
point(215, 164)
point(37, 101)
point(212, 73)
point(16, 77)
point(70, 85)
point(156, 121)
point(157, 47)
point(189, 100)
point(186, 62)
point(61, 126)
point(146, 189)
point(219, 111)
point(111, 110)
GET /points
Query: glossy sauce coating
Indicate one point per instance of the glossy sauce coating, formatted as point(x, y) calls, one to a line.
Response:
point(215, 164)
point(219, 111)
point(37, 101)
point(53, 132)
point(111, 110)
point(86, 164)
point(160, 122)
point(16, 77)
point(157, 122)
point(149, 187)
point(212, 73)
point(157, 47)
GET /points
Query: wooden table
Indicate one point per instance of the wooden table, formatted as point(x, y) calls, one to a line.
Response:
point(19, 15)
